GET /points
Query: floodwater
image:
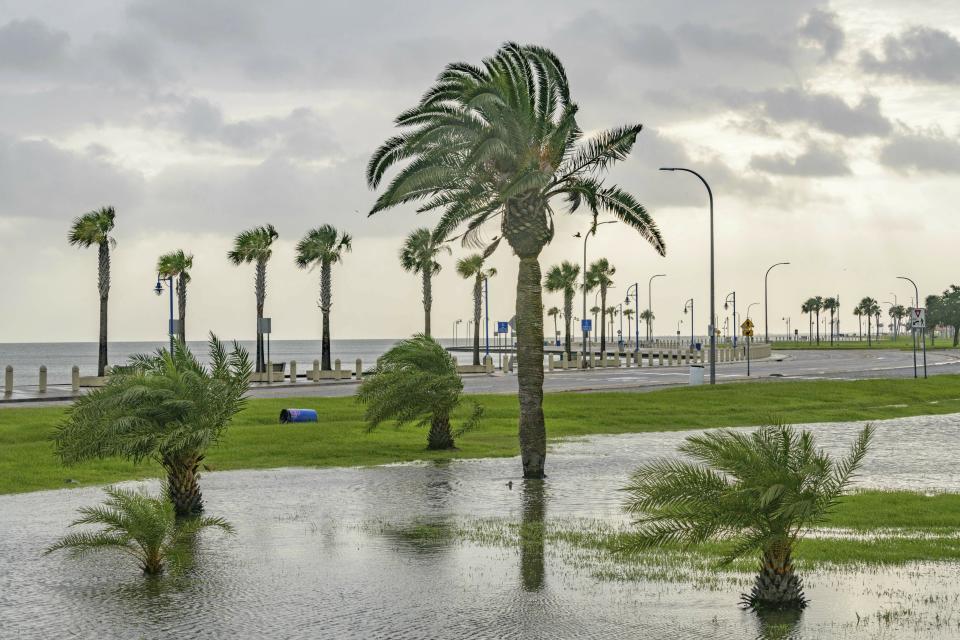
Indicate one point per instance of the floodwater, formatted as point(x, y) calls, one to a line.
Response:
point(328, 554)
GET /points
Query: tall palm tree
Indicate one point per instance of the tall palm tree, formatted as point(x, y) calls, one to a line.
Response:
point(165, 407)
point(554, 312)
point(323, 246)
point(177, 264)
point(611, 316)
point(600, 274)
point(256, 245)
point(141, 526)
point(647, 316)
point(595, 310)
point(817, 306)
point(858, 311)
point(869, 308)
point(757, 491)
point(897, 314)
point(832, 305)
point(94, 228)
point(418, 255)
point(628, 314)
point(417, 381)
point(564, 277)
point(501, 140)
point(474, 267)
point(807, 308)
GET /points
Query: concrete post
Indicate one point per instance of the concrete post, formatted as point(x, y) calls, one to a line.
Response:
point(550, 362)
point(269, 372)
point(593, 359)
point(8, 381)
point(510, 364)
point(75, 379)
point(488, 364)
point(336, 368)
point(659, 357)
point(293, 372)
point(43, 379)
point(359, 370)
point(315, 374)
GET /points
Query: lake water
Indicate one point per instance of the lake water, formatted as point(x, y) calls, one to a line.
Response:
point(322, 553)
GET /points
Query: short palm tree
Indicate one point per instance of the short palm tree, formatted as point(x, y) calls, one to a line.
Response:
point(832, 305)
point(595, 310)
point(141, 526)
point(858, 311)
point(417, 381)
point(501, 141)
point(418, 255)
point(600, 275)
point(91, 229)
point(758, 491)
point(868, 307)
point(166, 407)
point(647, 316)
point(816, 304)
point(177, 264)
point(807, 308)
point(564, 277)
point(897, 313)
point(323, 246)
point(256, 245)
point(474, 266)
point(628, 314)
point(553, 312)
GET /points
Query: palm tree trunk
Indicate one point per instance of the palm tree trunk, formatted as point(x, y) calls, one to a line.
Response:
point(603, 320)
point(439, 436)
point(531, 536)
point(818, 326)
point(533, 434)
point(477, 310)
point(869, 343)
point(777, 586)
point(103, 283)
point(567, 313)
point(831, 327)
point(427, 300)
point(183, 486)
point(325, 300)
point(956, 335)
point(260, 290)
point(182, 306)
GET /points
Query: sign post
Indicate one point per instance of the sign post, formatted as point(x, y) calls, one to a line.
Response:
point(747, 328)
point(586, 325)
point(918, 321)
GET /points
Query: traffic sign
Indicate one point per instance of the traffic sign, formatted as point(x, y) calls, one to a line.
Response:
point(918, 318)
point(503, 327)
point(747, 327)
point(586, 325)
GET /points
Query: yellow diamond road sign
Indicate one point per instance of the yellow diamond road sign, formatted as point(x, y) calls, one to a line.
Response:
point(747, 327)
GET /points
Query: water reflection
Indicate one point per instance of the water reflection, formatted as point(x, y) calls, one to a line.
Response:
point(531, 535)
point(778, 625)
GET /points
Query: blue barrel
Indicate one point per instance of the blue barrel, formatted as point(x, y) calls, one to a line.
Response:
point(297, 415)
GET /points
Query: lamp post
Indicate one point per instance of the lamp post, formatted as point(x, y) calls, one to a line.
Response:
point(158, 289)
point(650, 304)
point(486, 315)
point(766, 310)
point(787, 320)
point(636, 312)
point(620, 337)
point(688, 305)
point(586, 236)
point(733, 295)
point(713, 315)
point(457, 322)
point(923, 332)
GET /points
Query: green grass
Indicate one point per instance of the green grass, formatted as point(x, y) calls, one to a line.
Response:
point(903, 343)
point(257, 441)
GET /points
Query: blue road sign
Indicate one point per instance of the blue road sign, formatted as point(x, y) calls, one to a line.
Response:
point(503, 327)
point(586, 325)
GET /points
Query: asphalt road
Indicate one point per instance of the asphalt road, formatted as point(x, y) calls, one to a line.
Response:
point(785, 365)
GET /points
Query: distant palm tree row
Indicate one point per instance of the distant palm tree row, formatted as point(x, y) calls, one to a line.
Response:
point(867, 308)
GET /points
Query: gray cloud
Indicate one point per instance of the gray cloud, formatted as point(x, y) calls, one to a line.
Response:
point(821, 27)
point(919, 53)
point(922, 151)
point(814, 161)
point(734, 43)
point(30, 45)
point(197, 23)
point(40, 180)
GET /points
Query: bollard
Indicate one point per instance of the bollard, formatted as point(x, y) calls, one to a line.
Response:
point(510, 364)
point(550, 362)
point(336, 368)
point(359, 370)
point(593, 360)
point(659, 357)
point(488, 364)
point(269, 372)
point(315, 376)
point(293, 372)
point(8, 381)
point(75, 379)
point(42, 387)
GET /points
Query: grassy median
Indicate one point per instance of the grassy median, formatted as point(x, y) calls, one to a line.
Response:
point(257, 441)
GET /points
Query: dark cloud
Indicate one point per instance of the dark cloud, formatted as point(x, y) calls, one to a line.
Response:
point(30, 45)
point(300, 134)
point(815, 161)
point(734, 43)
point(922, 151)
point(919, 53)
point(821, 28)
point(40, 180)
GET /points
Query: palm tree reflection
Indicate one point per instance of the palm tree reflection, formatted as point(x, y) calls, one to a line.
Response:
point(531, 535)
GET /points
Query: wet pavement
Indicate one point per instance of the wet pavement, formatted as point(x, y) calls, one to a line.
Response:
point(332, 553)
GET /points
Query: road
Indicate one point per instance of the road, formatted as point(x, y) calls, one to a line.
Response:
point(785, 365)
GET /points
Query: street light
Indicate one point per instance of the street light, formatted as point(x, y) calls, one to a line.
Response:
point(923, 332)
point(586, 236)
point(636, 312)
point(766, 310)
point(650, 305)
point(689, 305)
point(732, 294)
point(713, 315)
point(455, 331)
point(158, 289)
point(748, 308)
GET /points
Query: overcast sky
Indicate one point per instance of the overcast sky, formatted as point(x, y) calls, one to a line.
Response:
point(829, 131)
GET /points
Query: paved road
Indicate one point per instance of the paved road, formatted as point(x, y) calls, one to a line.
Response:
point(785, 365)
